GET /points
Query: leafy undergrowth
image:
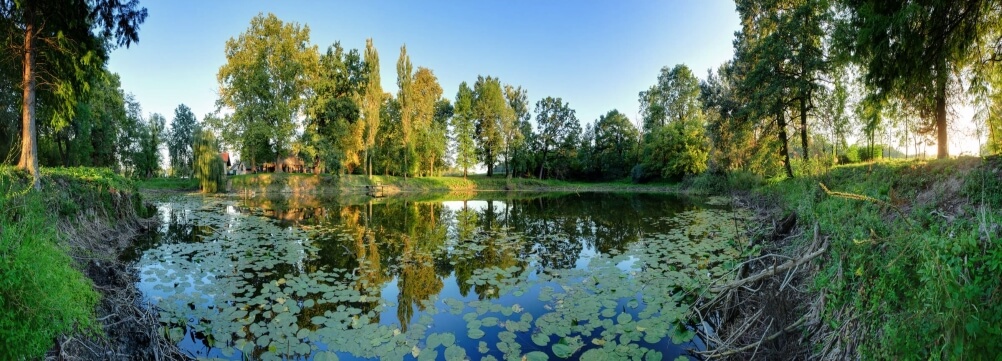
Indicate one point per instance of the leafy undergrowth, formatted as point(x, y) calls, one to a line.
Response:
point(43, 293)
point(913, 267)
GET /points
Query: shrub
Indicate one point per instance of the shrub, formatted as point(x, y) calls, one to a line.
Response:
point(849, 155)
point(867, 154)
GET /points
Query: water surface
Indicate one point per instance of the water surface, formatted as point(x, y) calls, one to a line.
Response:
point(485, 276)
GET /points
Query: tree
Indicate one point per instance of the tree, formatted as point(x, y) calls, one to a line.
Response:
point(674, 97)
point(209, 168)
point(490, 110)
point(405, 97)
point(179, 140)
point(334, 128)
point(463, 129)
point(514, 140)
point(910, 49)
point(265, 81)
point(557, 126)
point(60, 42)
point(151, 139)
point(615, 145)
point(675, 143)
point(371, 101)
point(762, 57)
point(429, 125)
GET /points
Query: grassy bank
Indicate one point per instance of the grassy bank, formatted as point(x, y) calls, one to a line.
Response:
point(44, 291)
point(308, 183)
point(912, 270)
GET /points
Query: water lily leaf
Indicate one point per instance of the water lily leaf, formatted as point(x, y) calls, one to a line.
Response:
point(624, 318)
point(562, 350)
point(455, 353)
point(536, 356)
point(540, 339)
point(325, 356)
point(475, 333)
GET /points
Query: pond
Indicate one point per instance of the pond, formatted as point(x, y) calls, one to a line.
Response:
point(495, 276)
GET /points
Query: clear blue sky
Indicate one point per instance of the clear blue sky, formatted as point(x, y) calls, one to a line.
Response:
point(596, 55)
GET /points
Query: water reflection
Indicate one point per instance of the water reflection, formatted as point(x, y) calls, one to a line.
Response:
point(275, 277)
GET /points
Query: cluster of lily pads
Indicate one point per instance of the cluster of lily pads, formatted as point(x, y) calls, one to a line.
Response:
point(249, 288)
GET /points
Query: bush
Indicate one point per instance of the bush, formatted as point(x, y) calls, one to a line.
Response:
point(639, 174)
point(867, 154)
point(41, 295)
point(849, 155)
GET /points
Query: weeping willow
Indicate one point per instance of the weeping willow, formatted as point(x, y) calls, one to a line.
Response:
point(209, 168)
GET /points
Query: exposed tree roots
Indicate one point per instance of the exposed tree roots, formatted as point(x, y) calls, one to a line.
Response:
point(131, 328)
point(767, 311)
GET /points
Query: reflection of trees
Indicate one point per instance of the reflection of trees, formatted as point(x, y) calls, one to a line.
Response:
point(407, 241)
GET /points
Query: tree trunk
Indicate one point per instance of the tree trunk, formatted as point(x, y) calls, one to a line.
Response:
point(785, 146)
point(943, 151)
point(803, 125)
point(29, 146)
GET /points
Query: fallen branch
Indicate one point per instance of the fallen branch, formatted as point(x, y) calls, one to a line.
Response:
point(795, 325)
point(771, 271)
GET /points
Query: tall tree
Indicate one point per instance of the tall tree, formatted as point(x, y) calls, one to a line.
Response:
point(490, 109)
point(674, 125)
point(179, 140)
point(910, 49)
point(405, 96)
point(334, 131)
point(761, 55)
point(430, 131)
point(60, 42)
point(615, 144)
point(151, 139)
point(514, 141)
point(557, 127)
point(464, 129)
point(265, 81)
point(371, 101)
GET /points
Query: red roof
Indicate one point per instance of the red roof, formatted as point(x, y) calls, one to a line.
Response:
point(226, 157)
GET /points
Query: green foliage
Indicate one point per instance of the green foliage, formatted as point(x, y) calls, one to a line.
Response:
point(464, 128)
point(264, 81)
point(867, 154)
point(615, 149)
point(929, 283)
point(491, 113)
point(372, 101)
point(42, 295)
point(678, 149)
point(850, 155)
point(558, 137)
point(209, 168)
point(179, 141)
point(334, 128)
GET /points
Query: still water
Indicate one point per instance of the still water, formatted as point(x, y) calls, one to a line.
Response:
point(493, 276)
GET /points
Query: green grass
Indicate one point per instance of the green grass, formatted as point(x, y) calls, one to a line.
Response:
point(308, 183)
point(178, 184)
point(41, 294)
point(925, 284)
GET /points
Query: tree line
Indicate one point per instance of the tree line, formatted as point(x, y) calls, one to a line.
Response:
point(806, 77)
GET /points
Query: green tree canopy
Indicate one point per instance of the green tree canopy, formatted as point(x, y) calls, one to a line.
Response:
point(62, 41)
point(464, 129)
point(179, 140)
point(558, 130)
point(265, 81)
